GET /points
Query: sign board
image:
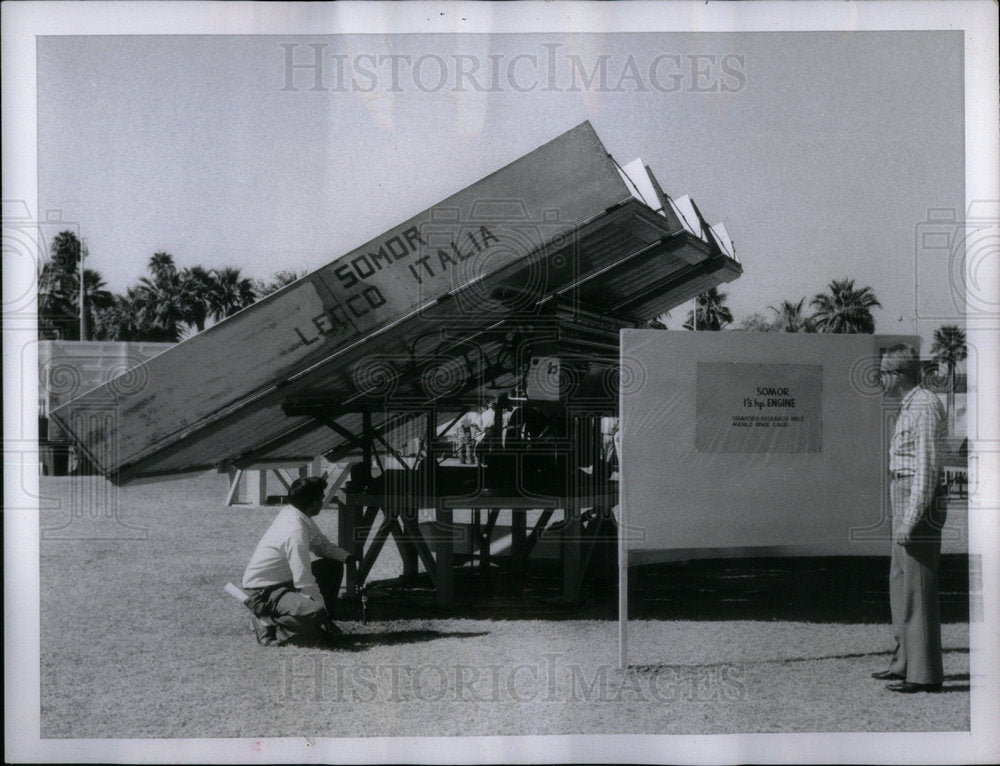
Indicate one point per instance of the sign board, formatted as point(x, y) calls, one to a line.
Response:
point(544, 378)
point(759, 407)
point(743, 443)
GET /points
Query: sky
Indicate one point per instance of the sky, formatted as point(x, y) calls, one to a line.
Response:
point(822, 153)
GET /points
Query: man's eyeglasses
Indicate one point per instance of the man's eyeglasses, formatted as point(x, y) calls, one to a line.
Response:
point(887, 373)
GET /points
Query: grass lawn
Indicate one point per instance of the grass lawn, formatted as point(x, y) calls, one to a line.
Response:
point(138, 640)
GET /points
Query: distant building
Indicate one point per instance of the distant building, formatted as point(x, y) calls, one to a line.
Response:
point(68, 368)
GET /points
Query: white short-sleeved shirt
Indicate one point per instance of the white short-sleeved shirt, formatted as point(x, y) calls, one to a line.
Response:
point(284, 554)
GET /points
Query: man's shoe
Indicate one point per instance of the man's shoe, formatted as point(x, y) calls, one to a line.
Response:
point(264, 631)
point(905, 687)
point(331, 633)
point(887, 675)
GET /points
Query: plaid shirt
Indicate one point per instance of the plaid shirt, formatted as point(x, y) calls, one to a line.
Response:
point(915, 449)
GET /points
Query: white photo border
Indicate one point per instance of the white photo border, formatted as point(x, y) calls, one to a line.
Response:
point(23, 22)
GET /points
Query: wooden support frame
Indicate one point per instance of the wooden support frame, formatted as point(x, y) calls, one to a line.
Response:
point(537, 530)
point(389, 525)
point(234, 486)
point(434, 550)
point(571, 552)
point(259, 473)
point(334, 484)
point(481, 535)
point(444, 543)
point(414, 537)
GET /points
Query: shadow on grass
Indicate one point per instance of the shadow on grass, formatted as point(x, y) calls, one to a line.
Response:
point(949, 686)
point(853, 590)
point(858, 655)
point(789, 660)
point(361, 642)
point(842, 590)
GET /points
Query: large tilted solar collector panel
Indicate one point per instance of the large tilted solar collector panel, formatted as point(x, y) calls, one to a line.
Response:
point(559, 225)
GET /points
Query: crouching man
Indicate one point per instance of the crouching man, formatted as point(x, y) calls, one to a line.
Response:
point(292, 596)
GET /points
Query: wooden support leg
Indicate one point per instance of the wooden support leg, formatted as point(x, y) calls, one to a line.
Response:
point(594, 533)
point(367, 435)
point(537, 531)
point(518, 538)
point(338, 478)
point(364, 526)
point(235, 476)
point(389, 526)
point(406, 545)
point(284, 479)
point(571, 553)
point(485, 538)
point(443, 542)
point(417, 546)
point(473, 534)
point(348, 517)
point(257, 486)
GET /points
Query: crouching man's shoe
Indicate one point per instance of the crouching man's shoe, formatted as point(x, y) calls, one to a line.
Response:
point(264, 631)
point(905, 687)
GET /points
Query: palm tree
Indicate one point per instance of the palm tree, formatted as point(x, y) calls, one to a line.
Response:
point(197, 290)
point(757, 322)
point(278, 280)
point(169, 302)
point(790, 318)
point(55, 312)
point(712, 314)
point(845, 309)
point(66, 250)
point(659, 322)
point(120, 320)
point(59, 291)
point(56, 317)
point(949, 348)
point(230, 292)
point(160, 301)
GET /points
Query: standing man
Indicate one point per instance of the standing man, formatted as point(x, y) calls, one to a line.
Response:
point(292, 596)
point(914, 467)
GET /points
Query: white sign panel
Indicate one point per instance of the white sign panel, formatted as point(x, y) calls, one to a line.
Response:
point(753, 444)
